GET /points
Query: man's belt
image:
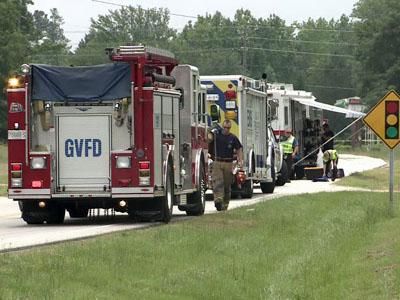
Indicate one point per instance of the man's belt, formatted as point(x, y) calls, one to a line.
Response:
point(224, 159)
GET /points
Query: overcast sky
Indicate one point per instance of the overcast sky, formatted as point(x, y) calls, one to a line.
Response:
point(77, 13)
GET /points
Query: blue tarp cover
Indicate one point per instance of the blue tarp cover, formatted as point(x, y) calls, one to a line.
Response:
point(81, 84)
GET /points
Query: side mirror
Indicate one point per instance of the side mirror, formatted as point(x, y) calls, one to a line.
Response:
point(215, 113)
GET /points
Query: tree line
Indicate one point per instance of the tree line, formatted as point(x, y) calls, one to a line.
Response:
point(334, 59)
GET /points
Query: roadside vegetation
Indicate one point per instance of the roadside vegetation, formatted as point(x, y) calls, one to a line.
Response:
point(374, 150)
point(319, 246)
point(3, 169)
point(376, 179)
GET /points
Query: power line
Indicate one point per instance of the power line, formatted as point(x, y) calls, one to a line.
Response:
point(121, 5)
point(300, 69)
point(298, 27)
point(301, 52)
point(266, 50)
point(257, 38)
point(255, 49)
point(330, 87)
point(302, 41)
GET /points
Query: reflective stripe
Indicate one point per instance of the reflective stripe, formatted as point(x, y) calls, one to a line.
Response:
point(330, 155)
point(288, 145)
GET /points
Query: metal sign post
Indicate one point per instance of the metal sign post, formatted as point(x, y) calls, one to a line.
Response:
point(391, 179)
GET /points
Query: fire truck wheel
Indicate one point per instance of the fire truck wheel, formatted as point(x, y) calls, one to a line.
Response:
point(248, 189)
point(167, 201)
point(268, 187)
point(283, 176)
point(31, 214)
point(56, 215)
point(234, 195)
point(199, 197)
point(31, 217)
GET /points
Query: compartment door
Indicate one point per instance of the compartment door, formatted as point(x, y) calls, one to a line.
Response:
point(83, 152)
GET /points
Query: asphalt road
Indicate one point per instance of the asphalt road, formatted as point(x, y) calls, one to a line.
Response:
point(16, 234)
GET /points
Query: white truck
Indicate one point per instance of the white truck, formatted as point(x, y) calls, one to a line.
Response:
point(241, 100)
point(293, 110)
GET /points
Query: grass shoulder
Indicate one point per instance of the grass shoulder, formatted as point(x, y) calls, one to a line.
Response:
point(3, 169)
point(320, 246)
point(376, 179)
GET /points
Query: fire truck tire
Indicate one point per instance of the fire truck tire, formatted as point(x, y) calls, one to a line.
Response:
point(31, 217)
point(31, 214)
point(283, 176)
point(248, 189)
point(234, 195)
point(268, 187)
point(199, 197)
point(167, 201)
point(56, 215)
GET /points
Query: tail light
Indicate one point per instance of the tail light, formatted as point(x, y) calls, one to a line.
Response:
point(144, 173)
point(144, 165)
point(16, 167)
point(16, 175)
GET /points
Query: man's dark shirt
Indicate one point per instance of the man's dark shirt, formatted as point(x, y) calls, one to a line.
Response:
point(326, 136)
point(225, 145)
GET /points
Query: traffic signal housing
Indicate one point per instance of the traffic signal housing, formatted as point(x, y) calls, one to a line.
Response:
point(392, 120)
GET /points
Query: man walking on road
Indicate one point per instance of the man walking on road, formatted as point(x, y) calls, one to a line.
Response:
point(222, 150)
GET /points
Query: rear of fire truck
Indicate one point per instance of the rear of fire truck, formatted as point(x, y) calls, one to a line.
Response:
point(105, 136)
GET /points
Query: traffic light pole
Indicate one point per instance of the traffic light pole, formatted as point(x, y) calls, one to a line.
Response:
point(391, 180)
point(384, 120)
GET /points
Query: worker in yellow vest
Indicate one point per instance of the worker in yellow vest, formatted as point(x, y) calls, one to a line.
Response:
point(330, 158)
point(290, 149)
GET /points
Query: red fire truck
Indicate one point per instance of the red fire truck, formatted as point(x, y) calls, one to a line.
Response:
point(129, 135)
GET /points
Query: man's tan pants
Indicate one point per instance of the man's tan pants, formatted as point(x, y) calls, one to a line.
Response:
point(222, 180)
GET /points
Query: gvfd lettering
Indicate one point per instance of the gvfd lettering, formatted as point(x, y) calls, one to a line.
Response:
point(80, 147)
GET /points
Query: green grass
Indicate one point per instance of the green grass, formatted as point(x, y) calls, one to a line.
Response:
point(376, 179)
point(321, 246)
point(376, 150)
point(3, 169)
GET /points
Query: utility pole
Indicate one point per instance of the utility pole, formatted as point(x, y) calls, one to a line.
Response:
point(244, 50)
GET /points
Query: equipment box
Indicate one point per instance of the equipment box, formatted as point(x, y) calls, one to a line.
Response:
point(313, 172)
